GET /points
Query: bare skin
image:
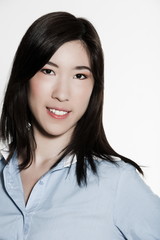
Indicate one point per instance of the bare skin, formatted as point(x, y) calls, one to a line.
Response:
point(45, 157)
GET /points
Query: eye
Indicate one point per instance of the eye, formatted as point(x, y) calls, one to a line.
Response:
point(47, 71)
point(80, 76)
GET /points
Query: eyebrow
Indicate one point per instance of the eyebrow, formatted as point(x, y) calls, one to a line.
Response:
point(76, 67)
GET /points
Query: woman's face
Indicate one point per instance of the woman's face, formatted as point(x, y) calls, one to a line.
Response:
point(60, 92)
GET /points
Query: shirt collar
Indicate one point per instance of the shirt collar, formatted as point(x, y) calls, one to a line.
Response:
point(66, 162)
point(4, 151)
point(69, 160)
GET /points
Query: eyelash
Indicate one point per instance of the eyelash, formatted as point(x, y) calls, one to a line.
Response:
point(51, 72)
point(47, 71)
point(80, 75)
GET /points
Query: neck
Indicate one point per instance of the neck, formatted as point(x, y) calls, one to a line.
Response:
point(49, 148)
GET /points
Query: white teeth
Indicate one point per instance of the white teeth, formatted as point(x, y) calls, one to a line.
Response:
point(57, 112)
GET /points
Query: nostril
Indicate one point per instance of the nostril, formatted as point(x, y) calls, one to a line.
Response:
point(60, 99)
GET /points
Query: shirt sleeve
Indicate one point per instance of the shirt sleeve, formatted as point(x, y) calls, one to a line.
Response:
point(137, 208)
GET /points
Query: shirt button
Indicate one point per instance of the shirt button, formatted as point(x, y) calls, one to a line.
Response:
point(41, 182)
point(26, 229)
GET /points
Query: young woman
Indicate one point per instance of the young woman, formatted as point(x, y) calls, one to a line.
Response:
point(59, 177)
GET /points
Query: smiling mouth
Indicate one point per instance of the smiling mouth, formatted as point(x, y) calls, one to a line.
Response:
point(57, 113)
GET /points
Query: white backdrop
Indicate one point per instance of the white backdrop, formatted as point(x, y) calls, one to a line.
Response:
point(130, 35)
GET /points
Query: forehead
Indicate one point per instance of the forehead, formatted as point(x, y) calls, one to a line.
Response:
point(73, 52)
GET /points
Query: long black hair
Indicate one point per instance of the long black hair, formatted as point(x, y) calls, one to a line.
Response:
point(39, 43)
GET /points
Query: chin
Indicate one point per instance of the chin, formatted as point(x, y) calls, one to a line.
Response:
point(56, 132)
point(52, 130)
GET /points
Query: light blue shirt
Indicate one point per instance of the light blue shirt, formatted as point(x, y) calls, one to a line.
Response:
point(114, 206)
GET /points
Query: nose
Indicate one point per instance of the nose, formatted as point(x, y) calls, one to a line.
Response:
point(60, 91)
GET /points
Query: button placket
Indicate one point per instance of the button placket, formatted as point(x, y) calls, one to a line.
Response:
point(37, 193)
point(13, 189)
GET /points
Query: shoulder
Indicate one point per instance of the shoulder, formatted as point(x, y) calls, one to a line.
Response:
point(136, 209)
point(116, 177)
point(117, 169)
point(125, 176)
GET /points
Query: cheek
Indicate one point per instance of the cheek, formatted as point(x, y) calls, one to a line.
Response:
point(82, 95)
point(86, 91)
point(35, 88)
point(38, 88)
point(36, 94)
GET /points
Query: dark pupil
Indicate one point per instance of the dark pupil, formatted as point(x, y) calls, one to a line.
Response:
point(48, 71)
point(79, 75)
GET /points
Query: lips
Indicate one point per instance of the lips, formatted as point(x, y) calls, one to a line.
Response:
point(58, 113)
